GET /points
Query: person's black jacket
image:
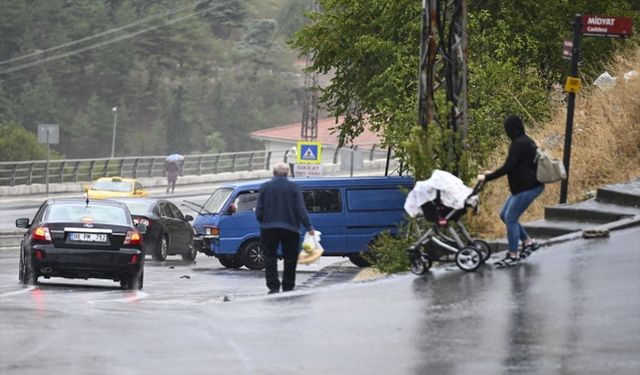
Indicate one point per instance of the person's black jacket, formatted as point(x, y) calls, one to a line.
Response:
point(280, 205)
point(519, 166)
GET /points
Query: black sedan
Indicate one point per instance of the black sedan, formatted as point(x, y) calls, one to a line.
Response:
point(74, 238)
point(168, 229)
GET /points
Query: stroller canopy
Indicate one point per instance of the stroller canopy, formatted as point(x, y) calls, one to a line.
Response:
point(453, 192)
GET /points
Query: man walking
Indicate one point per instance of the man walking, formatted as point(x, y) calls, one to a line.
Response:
point(280, 211)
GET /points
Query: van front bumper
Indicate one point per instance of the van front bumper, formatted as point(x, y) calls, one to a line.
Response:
point(206, 244)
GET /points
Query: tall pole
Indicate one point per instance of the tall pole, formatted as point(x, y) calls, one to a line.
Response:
point(571, 105)
point(422, 68)
point(115, 124)
point(46, 174)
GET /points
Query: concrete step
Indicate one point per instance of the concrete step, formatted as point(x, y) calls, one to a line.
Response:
point(554, 228)
point(590, 211)
point(627, 194)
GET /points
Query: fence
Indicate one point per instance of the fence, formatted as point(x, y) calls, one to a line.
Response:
point(79, 170)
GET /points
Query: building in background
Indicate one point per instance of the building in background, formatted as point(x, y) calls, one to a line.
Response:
point(281, 138)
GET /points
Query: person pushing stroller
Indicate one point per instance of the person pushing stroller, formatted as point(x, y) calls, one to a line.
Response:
point(520, 169)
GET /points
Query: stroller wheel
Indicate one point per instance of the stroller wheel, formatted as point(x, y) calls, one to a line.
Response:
point(420, 265)
point(469, 259)
point(484, 248)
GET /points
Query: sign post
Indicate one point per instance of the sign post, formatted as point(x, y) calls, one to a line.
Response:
point(601, 26)
point(49, 134)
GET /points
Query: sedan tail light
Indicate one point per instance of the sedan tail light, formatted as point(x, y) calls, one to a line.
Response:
point(42, 234)
point(133, 238)
point(142, 220)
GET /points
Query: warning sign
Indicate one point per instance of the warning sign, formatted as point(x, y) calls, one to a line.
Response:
point(572, 85)
point(308, 170)
point(309, 152)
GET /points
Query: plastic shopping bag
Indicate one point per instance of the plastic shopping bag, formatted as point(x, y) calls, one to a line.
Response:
point(311, 248)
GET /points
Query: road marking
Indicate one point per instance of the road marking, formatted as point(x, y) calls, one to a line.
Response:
point(369, 273)
point(130, 297)
point(15, 292)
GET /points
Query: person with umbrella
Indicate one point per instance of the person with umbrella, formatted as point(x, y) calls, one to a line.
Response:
point(172, 168)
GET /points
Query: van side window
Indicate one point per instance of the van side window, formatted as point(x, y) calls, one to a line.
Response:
point(246, 201)
point(375, 199)
point(322, 200)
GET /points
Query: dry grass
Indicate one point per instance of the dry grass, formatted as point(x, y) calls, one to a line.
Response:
point(605, 148)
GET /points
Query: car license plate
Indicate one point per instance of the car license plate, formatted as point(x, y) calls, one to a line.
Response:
point(88, 237)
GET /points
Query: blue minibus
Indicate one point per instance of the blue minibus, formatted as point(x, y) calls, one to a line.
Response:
point(349, 212)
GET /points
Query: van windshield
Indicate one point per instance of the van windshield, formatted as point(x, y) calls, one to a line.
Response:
point(217, 200)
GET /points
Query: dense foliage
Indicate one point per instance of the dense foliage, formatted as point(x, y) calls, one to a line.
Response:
point(514, 58)
point(185, 75)
point(16, 143)
point(514, 61)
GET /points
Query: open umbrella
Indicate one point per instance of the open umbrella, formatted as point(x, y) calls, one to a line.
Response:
point(175, 158)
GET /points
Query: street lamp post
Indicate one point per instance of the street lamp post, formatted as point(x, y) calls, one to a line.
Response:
point(115, 124)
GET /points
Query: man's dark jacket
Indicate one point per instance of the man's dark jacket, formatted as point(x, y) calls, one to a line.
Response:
point(280, 205)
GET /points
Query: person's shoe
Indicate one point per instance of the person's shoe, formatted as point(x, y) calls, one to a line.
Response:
point(528, 249)
point(273, 291)
point(508, 261)
point(287, 289)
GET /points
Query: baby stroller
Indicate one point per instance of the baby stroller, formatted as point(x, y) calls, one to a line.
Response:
point(447, 238)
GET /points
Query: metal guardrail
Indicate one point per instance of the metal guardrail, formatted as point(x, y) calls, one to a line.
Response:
point(81, 170)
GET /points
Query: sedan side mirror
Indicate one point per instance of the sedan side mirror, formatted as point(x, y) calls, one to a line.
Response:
point(85, 188)
point(188, 217)
point(22, 222)
point(142, 228)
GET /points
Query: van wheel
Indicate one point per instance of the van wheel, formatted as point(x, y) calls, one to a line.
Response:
point(252, 255)
point(359, 260)
point(230, 261)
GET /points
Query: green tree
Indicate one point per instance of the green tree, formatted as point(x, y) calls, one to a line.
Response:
point(17, 144)
point(371, 48)
point(224, 18)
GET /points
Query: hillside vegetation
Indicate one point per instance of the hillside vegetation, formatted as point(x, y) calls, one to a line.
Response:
point(605, 148)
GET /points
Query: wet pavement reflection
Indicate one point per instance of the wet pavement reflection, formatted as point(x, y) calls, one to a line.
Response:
point(570, 309)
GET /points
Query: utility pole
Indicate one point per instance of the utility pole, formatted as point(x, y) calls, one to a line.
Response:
point(309, 128)
point(115, 125)
point(571, 105)
point(443, 68)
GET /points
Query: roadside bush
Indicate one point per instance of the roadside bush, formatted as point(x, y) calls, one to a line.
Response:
point(389, 252)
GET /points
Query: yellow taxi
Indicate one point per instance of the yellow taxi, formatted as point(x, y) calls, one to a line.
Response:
point(113, 187)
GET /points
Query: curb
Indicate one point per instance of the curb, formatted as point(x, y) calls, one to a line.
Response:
point(498, 246)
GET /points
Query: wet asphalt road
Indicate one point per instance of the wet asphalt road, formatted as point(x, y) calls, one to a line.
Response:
point(570, 309)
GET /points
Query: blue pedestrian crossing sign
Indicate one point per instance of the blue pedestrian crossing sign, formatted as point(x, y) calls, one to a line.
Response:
point(309, 152)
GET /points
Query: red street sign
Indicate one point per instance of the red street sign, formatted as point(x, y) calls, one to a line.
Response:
point(613, 27)
point(567, 49)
